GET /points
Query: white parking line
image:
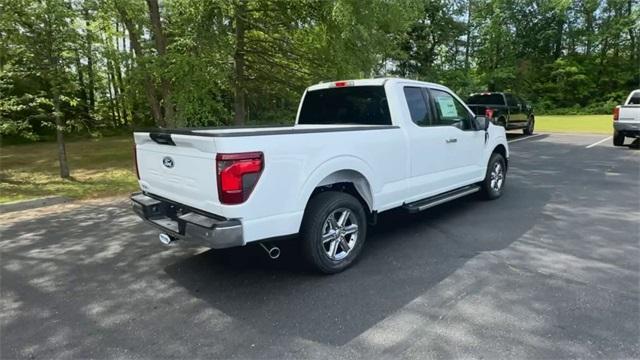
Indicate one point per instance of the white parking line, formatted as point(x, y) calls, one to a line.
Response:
point(599, 142)
point(526, 137)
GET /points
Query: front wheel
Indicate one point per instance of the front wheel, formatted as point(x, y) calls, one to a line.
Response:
point(333, 231)
point(495, 177)
point(530, 125)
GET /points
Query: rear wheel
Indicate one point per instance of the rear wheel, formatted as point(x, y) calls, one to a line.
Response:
point(530, 125)
point(495, 177)
point(334, 229)
point(618, 139)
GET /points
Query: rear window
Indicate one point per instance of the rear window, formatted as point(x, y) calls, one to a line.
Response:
point(362, 105)
point(486, 99)
point(635, 98)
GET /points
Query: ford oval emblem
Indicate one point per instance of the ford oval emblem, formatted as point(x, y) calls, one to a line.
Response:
point(167, 162)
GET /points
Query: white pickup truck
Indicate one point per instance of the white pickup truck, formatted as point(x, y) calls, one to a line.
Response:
point(626, 119)
point(358, 148)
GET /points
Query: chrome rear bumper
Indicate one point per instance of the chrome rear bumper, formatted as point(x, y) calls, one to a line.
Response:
point(631, 129)
point(186, 224)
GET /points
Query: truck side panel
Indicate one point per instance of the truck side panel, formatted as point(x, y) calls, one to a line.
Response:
point(296, 164)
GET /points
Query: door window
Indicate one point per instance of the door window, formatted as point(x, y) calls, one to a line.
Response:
point(418, 106)
point(450, 111)
point(511, 100)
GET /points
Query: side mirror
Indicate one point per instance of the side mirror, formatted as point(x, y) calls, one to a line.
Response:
point(482, 123)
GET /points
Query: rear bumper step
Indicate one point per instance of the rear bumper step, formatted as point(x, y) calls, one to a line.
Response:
point(631, 129)
point(182, 223)
point(424, 204)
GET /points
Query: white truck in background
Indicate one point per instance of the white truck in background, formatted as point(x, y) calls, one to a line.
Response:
point(626, 119)
point(358, 148)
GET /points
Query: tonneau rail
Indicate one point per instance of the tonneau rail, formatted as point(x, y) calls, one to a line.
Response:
point(288, 130)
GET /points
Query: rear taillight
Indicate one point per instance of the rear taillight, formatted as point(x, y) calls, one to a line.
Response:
point(343, 83)
point(616, 113)
point(238, 174)
point(135, 161)
point(488, 113)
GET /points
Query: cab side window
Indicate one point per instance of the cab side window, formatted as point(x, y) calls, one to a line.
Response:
point(449, 111)
point(418, 105)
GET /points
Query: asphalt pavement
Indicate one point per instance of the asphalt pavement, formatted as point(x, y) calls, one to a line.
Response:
point(550, 270)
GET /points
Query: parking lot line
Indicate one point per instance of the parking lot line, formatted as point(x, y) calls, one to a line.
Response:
point(526, 137)
point(598, 142)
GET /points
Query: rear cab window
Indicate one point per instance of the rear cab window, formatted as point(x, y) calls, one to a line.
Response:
point(418, 105)
point(486, 99)
point(634, 99)
point(354, 105)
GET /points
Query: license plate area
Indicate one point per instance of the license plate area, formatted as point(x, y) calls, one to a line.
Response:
point(169, 224)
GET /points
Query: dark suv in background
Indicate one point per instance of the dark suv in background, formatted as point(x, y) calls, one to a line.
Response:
point(504, 109)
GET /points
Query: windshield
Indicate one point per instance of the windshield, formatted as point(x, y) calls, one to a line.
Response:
point(362, 105)
point(486, 99)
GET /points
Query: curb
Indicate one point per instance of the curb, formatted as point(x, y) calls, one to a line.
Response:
point(33, 203)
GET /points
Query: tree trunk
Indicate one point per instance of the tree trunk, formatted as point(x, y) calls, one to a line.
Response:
point(117, 65)
point(589, 27)
point(160, 41)
point(89, 53)
point(632, 36)
point(557, 51)
point(149, 88)
point(84, 100)
point(112, 105)
point(239, 103)
point(62, 151)
point(467, 49)
point(113, 94)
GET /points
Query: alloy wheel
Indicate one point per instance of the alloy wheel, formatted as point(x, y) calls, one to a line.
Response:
point(339, 234)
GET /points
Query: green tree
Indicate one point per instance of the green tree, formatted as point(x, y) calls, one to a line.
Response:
point(43, 35)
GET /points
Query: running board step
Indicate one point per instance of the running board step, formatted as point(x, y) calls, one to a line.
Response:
point(424, 204)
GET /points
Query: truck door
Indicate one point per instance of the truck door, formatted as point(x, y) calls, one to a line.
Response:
point(436, 160)
point(517, 116)
point(463, 145)
point(427, 165)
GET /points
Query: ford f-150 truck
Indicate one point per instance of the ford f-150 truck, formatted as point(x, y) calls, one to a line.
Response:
point(626, 119)
point(357, 148)
point(505, 109)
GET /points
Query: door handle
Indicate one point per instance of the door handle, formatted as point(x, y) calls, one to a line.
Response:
point(452, 140)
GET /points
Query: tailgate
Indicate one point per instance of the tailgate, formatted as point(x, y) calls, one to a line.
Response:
point(178, 167)
point(629, 113)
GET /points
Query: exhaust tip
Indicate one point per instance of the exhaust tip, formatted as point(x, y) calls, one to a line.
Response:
point(166, 239)
point(274, 252)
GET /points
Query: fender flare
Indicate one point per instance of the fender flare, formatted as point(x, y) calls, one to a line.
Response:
point(345, 163)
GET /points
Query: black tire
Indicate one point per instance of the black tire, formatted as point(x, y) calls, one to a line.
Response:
point(489, 189)
point(316, 223)
point(530, 126)
point(618, 139)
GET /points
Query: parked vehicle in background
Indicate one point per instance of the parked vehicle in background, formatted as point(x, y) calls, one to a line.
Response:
point(626, 119)
point(358, 148)
point(504, 109)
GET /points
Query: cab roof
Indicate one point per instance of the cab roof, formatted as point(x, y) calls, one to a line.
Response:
point(369, 82)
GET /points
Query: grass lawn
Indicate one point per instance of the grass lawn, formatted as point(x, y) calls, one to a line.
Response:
point(594, 124)
point(99, 167)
